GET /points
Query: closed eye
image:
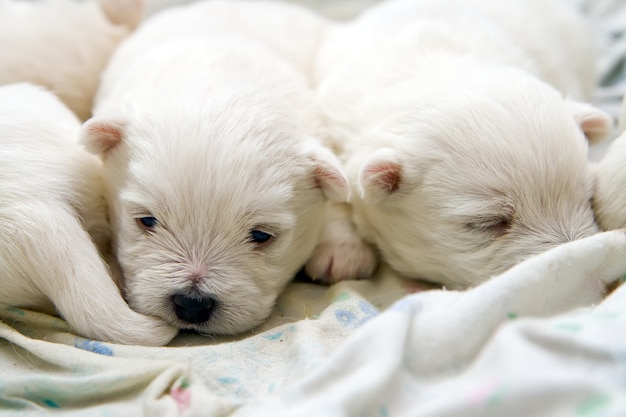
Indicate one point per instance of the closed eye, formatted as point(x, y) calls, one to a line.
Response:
point(496, 227)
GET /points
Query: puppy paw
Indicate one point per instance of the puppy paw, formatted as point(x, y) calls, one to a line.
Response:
point(337, 261)
point(138, 329)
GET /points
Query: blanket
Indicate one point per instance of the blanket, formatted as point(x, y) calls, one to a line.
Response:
point(538, 340)
point(542, 339)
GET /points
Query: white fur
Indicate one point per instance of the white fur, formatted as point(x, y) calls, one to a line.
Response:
point(609, 200)
point(211, 135)
point(293, 33)
point(340, 254)
point(63, 44)
point(466, 161)
point(51, 213)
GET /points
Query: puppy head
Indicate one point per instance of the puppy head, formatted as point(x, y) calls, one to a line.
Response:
point(476, 175)
point(215, 205)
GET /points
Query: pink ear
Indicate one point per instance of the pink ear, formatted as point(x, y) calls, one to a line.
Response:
point(595, 123)
point(380, 175)
point(329, 176)
point(101, 135)
point(123, 12)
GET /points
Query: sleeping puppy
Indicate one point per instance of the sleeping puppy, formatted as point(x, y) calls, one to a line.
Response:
point(52, 215)
point(63, 44)
point(215, 184)
point(609, 200)
point(465, 160)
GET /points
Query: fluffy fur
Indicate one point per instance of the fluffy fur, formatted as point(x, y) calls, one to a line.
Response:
point(609, 201)
point(465, 158)
point(209, 136)
point(292, 33)
point(52, 215)
point(63, 44)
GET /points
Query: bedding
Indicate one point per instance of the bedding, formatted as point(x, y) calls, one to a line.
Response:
point(537, 340)
point(541, 339)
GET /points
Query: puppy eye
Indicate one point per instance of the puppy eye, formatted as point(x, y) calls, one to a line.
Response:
point(499, 227)
point(147, 223)
point(260, 237)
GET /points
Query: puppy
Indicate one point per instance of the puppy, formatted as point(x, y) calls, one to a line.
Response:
point(52, 215)
point(63, 44)
point(215, 184)
point(609, 200)
point(466, 159)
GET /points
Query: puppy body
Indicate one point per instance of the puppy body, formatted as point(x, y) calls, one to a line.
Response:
point(292, 33)
point(466, 161)
point(52, 216)
point(209, 136)
point(609, 201)
point(547, 38)
point(63, 44)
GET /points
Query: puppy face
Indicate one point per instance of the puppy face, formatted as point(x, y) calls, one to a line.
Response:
point(216, 203)
point(466, 185)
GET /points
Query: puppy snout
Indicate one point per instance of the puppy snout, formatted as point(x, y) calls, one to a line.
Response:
point(193, 309)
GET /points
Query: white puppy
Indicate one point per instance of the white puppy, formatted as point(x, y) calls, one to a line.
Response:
point(51, 207)
point(609, 200)
point(63, 44)
point(215, 185)
point(466, 161)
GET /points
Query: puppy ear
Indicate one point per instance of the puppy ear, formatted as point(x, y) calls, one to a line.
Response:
point(123, 12)
point(595, 123)
point(380, 175)
point(100, 135)
point(329, 176)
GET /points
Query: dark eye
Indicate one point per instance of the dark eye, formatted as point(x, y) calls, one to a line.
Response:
point(259, 236)
point(146, 223)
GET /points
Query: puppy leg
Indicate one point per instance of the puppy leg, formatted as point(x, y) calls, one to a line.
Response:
point(340, 253)
point(59, 258)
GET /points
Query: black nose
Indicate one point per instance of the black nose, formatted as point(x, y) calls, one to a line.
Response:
point(193, 309)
